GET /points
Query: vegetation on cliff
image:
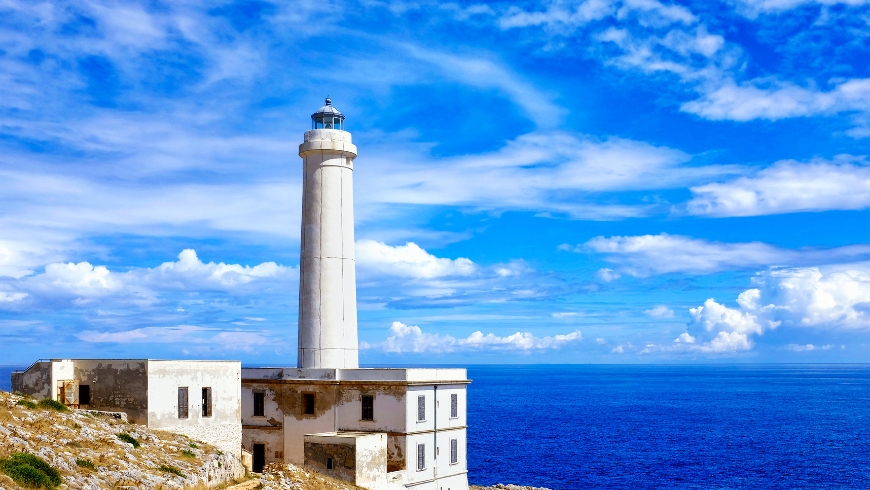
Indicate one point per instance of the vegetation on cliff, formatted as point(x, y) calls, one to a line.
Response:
point(45, 445)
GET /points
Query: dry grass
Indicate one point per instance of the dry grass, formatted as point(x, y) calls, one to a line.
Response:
point(62, 432)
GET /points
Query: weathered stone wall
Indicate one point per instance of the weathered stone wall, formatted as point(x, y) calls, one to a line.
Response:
point(116, 386)
point(35, 381)
point(343, 457)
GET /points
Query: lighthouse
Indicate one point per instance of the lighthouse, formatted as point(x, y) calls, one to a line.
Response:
point(380, 428)
point(327, 272)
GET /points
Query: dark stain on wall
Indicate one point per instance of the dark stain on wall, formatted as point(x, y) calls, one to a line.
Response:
point(116, 386)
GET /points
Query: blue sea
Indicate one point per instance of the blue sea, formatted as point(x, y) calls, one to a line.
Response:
point(629, 426)
point(718, 427)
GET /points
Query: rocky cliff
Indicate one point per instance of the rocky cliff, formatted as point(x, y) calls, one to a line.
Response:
point(88, 451)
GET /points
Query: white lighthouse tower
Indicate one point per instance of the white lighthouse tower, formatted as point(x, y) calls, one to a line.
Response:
point(327, 272)
point(380, 428)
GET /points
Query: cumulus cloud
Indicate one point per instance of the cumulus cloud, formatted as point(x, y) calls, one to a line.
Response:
point(78, 284)
point(837, 298)
point(660, 311)
point(404, 338)
point(788, 187)
point(409, 260)
point(647, 255)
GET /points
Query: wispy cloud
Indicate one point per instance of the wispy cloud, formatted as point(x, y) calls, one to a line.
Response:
point(404, 338)
point(787, 187)
point(647, 255)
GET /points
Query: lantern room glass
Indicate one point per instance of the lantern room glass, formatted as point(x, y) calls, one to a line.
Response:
point(326, 122)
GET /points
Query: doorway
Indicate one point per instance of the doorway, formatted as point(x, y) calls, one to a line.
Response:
point(259, 457)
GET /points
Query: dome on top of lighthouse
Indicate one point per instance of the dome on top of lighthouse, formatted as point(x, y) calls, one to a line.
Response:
point(327, 117)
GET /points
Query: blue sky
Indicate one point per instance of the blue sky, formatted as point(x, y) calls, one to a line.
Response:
point(593, 181)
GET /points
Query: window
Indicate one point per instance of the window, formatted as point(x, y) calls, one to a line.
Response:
point(329, 464)
point(421, 408)
point(454, 451)
point(421, 457)
point(368, 407)
point(308, 403)
point(259, 404)
point(454, 406)
point(182, 403)
point(84, 395)
point(206, 402)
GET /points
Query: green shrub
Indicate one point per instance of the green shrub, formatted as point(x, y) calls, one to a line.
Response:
point(52, 405)
point(171, 469)
point(30, 471)
point(128, 438)
point(85, 463)
point(188, 454)
point(26, 403)
point(193, 445)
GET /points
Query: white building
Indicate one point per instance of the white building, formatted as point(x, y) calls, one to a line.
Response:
point(200, 399)
point(380, 428)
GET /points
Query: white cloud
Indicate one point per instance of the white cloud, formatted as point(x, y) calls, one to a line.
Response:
point(564, 314)
point(661, 254)
point(779, 100)
point(563, 18)
point(545, 171)
point(404, 338)
point(838, 299)
point(409, 260)
point(807, 347)
point(647, 255)
point(188, 334)
point(713, 316)
point(660, 311)
point(753, 8)
point(11, 297)
point(788, 187)
point(607, 275)
point(79, 284)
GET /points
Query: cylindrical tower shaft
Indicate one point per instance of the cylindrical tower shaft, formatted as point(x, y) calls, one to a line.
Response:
point(327, 285)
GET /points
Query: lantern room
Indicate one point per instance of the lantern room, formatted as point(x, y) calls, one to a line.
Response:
point(327, 117)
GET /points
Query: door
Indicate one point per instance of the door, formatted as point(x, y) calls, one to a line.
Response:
point(259, 457)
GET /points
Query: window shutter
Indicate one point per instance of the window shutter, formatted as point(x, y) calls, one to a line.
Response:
point(421, 457)
point(182, 403)
point(421, 408)
point(454, 405)
point(454, 451)
point(206, 402)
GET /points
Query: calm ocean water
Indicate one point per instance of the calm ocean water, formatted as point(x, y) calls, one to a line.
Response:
point(605, 426)
point(718, 427)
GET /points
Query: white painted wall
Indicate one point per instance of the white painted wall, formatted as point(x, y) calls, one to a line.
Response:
point(411, 422)
point(389, 411)
point(223, 429)
point(61, 370)
point(444, 468)
point(443, 407)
